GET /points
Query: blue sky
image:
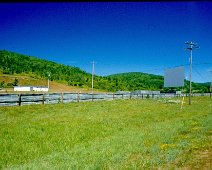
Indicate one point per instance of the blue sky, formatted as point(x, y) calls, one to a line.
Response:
point(121, 37)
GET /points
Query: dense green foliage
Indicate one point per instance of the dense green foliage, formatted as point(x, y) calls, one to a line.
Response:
point(141, 80)
point(13, 63)
point(118, 134)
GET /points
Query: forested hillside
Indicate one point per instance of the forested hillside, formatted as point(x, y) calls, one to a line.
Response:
point(13, 63)
point(18, 64)
point(142, 80)
point(155, 82)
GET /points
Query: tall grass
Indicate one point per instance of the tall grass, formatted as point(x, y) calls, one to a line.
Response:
point(120, 134)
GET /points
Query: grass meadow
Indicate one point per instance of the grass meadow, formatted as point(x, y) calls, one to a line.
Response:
point(119, 134)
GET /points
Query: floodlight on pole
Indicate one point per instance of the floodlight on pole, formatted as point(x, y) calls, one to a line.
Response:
point(191, 46)
point(49, 75)
point(211, 84)
point(92, 75)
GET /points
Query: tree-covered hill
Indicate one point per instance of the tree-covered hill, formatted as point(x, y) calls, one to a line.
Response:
point(12, 63)
point(141, 80)
point(146, 81)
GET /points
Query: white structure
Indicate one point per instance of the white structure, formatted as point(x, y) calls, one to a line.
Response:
point(31, 88)
point(40, 88)
point(178, 92)
point(22, 88)
point(174, 77)
point(146, 92)
point(122, 92)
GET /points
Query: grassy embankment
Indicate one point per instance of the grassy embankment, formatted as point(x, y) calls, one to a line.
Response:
point(120, 134)
point(26, 80)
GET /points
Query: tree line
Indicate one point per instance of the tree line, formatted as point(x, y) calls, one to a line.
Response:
point(13, 63)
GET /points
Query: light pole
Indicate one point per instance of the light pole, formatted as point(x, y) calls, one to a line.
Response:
point(211, 84)
point(92, 75)
point(49, 74)
point(190, 47)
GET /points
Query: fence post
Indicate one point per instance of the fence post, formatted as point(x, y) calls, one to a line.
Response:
point(78, 97)
point(19, 99)
point(142, 96)
point(43, 98)
point(113, 96)
point(62, 97)
point(130, 95)
point(92, 97)
point(122, 96)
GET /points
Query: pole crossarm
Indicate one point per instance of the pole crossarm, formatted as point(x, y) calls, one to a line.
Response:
point(191, 45)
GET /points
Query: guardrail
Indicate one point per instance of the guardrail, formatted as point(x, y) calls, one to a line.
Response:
point(50, 98)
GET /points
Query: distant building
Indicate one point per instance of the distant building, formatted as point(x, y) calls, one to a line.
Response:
point(122, 92)
point(146, 92)
point(40, 88)
point(22, 88)
point(31, 88)
point(178, 92)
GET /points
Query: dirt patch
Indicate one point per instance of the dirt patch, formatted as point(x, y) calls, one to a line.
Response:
point(198, 160)
point(203, 160)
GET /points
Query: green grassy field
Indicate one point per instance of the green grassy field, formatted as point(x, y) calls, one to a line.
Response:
point(119, 134)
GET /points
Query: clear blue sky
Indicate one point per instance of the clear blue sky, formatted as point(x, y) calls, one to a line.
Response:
point(121, 37)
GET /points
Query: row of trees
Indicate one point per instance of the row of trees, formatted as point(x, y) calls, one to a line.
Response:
point(13, 63)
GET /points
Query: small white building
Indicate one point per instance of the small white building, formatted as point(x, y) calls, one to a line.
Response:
point(22, 88)
point(40, 88)
point(31, 88)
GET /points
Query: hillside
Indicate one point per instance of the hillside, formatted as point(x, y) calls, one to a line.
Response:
point(8, 80)
point(14, 64)
point(141, 80)
point(155, 82)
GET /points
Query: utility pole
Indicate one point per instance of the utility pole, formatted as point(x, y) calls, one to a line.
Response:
point(92, 75)
point(190, 47)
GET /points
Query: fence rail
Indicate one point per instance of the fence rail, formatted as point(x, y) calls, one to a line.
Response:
point(50, 98)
